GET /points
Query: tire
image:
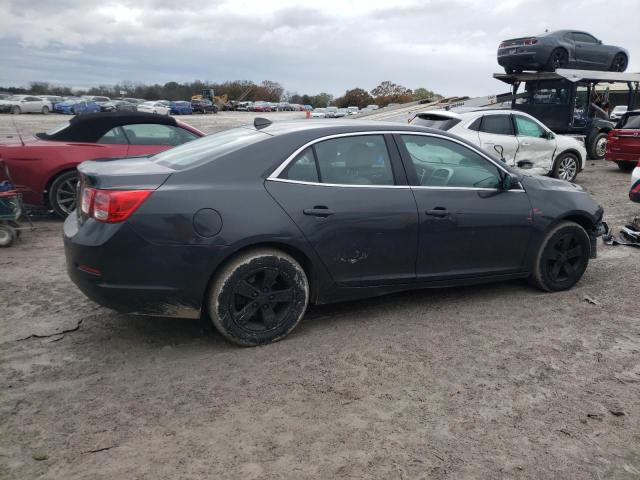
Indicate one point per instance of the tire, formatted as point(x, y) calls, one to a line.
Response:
point(263, 275)
point(598, 146)
point(559, 58)
point(566, 167)
point(45, 110)
point(626, 166)
point(7, 236)
point(62, 193)
point(619, 63)
point(562, 259)
point(15, 110)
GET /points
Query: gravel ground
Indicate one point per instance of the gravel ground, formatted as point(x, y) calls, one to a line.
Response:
point(494, 381)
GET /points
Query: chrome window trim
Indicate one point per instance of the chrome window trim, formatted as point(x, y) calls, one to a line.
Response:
point(276, 173)
point(406, 187)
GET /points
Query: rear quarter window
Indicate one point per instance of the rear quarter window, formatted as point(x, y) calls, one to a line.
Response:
point(208, 148)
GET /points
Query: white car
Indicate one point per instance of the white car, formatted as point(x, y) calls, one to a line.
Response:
point(634, 193)
point(518, 138)
point(25, 104)
point(617, 112)
point(154, 107)
point(319, 113)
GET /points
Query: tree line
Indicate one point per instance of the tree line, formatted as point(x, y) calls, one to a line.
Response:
point(246, 90)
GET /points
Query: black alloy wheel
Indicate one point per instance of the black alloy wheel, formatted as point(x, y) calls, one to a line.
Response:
point(563, 257)
point(619, 63)
point(259, 297)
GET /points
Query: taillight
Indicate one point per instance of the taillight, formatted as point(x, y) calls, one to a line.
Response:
point(86, 200)
point(530, 41)
point(111, 206)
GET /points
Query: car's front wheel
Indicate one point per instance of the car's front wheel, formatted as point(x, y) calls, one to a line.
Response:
point(62, 193)
point(619, 63)
point(45, 110)
point(566, 167)
point(258, 297)
point(562, 259)
point(15, 110)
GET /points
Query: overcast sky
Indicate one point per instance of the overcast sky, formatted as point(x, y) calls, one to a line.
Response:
point(448, 46)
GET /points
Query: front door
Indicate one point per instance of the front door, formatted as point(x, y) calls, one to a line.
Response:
point(496, 132)
point(535, 145)
point(469, 227)
point(346, 197)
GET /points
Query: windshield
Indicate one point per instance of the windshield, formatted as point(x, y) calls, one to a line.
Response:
point(208, 148)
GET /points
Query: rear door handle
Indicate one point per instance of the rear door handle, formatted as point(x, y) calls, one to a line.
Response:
point(438, 212)
point(318, 211)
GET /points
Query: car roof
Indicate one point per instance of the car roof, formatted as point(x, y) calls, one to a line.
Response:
point(91, 127)
point(334, 126)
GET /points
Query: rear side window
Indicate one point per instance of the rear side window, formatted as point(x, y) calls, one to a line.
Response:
point(155, 134)
point(115, 136)
point(583, 37)
point(497, 124)
point(303, 168)
point(357, 160)
point(438, 122)
point(208, 148)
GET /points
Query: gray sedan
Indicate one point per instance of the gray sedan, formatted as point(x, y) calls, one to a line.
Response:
point(561, 49)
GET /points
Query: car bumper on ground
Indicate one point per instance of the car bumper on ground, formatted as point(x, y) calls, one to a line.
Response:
point(115, 267)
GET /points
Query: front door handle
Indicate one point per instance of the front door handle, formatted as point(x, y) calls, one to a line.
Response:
point(438, 212)
point(318, 211)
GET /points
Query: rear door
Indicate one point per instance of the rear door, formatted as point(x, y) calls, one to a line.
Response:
point(497, 131)
point(348, 195)
point(151, 138)
point(535, 143)
point(468, 226)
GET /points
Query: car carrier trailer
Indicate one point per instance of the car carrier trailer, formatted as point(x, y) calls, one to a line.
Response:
point(570, 102)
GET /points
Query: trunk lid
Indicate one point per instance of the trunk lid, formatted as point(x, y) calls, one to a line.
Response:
point(135, 173)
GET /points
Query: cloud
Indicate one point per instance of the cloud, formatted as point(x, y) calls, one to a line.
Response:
point(445, 45)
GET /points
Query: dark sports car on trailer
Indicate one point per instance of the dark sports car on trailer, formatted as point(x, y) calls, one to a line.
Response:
point(253, 224)
point(46, 164)
point(561, 49)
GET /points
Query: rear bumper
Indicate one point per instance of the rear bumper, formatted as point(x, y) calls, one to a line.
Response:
point(115, 267)
point(622, 157)
point(522, 58)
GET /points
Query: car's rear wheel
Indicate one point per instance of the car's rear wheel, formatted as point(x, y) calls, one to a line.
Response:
point(627, 166)
point(619, 63)
point(258, 297)
point(566, 167)
point(559, 58)
point(62, 193)
point(598, 146)
point(562, 259)
point(15, 110)
point(45, 110)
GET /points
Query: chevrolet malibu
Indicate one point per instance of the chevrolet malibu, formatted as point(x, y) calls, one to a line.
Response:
point(251, 225)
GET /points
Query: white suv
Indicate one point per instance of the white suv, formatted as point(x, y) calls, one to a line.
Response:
point(520, 139)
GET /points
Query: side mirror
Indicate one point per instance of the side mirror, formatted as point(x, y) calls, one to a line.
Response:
point(599, 42)
point(549, 136)
point(500, 150)
point(507, 182)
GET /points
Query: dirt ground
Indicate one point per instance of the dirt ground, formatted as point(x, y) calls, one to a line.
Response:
point(493, 381)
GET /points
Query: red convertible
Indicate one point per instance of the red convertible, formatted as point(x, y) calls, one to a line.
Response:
point(46, 164)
